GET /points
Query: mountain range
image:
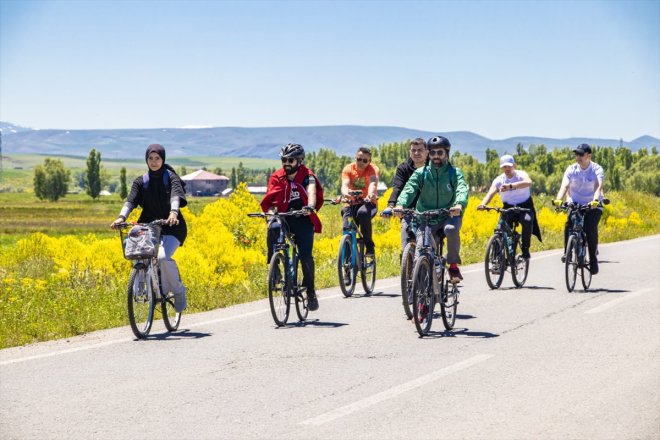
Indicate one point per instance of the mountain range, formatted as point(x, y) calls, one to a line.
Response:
point(262, 142)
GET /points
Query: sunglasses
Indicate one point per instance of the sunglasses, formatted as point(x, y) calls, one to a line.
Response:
point(437, 153)
point(357, 159)
point(580, 154)
point(289, 160)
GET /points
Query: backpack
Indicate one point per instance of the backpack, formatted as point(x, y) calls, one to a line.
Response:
point(166, 180)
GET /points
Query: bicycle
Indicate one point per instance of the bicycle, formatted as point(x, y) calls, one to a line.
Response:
point(351, 258)
point(577, 248)
point(408, 261)
point(430, 284)
point(144, 288)
point(503, 251)
point(284, 271)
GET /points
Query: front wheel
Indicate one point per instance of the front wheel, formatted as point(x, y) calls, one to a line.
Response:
point(586, 268)
point(278, 286)
point(302, 309)
point(171, 318)
point(449, 304)
point(423, 297)
point(140, 301)
point(345, 269)
point(571, 265)
point(367, 271)
point(407, 262)
point(520, 267)
point(494, 262)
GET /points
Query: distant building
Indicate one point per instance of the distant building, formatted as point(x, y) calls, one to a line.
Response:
point(257, 189)
point(204, 183)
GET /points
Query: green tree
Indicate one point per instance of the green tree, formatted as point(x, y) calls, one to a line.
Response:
point(51, 180)
point(241, 175)
point(93, 176)
point(123, 190)
point(233, 177)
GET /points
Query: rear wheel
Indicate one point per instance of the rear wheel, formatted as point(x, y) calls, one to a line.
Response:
point(521, 267)
point(407, 262)
point(367, 271)
point(278, 295)
point(571, 265)
point(140, 301)
point(301, 298)
point(449, 304)
point(423, 298)
point(586, 268)
point(345, 269)
point(494, 262)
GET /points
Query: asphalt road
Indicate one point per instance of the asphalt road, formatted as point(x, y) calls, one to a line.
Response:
point(536, 362)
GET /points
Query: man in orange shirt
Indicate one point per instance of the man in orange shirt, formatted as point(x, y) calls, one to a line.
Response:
point(361, 175)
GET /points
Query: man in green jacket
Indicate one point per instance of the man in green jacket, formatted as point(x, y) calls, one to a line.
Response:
point(439, 185)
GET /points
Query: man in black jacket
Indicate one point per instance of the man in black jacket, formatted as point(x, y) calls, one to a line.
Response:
point(418, 157)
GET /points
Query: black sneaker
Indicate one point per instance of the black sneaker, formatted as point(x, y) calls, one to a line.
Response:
point(593, 267)
point(525, 254)
point(454, 275)
point(312, 302)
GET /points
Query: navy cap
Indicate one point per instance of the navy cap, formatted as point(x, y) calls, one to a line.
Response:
point(582, 148)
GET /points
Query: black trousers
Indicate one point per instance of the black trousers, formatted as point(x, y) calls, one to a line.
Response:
point(303, 231)
point(521, 217)
point(591, 219)
point(363, 214)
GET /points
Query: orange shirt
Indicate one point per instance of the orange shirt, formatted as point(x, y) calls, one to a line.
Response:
point(359, 179)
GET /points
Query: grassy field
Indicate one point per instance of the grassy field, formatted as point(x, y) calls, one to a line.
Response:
point(62, 272)
point(18, 169)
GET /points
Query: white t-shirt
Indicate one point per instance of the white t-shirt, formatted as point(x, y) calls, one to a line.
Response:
point(517, 196)
point(582, 183)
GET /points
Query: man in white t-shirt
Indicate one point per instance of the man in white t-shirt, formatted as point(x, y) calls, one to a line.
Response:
point(514, 187)
point(583, 181)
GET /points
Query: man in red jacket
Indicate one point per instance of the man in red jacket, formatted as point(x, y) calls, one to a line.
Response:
point(295, 187)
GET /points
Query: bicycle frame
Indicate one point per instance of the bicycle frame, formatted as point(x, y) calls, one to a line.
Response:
point(285, 242)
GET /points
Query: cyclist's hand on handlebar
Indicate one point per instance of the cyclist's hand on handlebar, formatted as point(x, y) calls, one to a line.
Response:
point(556, 203)
point(455, 210)
point(173, 218)
point(308, 209)
point(119, 220)
point(397, 211)
point(481, 207)
point(387, 212)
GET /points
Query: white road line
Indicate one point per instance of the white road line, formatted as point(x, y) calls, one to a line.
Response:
point(70, 350)
point(616, 302)
point(394, 391)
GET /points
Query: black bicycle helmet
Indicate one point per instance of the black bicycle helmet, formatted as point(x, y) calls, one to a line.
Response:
point(438, 141)
point(293, 150)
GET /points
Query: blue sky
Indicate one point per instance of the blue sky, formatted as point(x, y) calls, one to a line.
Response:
point(497, 68)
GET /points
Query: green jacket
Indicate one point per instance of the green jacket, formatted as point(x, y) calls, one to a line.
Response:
point(441, 187)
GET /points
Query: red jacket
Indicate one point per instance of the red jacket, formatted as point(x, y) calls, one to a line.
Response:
point(279, 191)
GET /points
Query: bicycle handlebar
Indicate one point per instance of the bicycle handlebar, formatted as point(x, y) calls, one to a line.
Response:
point(343, 199)
point(505, 210)
point(126, 225)
point(579, 207)
point(298, 213)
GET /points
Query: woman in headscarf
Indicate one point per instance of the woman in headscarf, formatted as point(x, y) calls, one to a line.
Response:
point(160, 193)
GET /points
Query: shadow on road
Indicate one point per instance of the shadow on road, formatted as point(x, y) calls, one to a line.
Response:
point(461, 333)
point(181, 334)
point(603, 290)
point(313, 323)
point(465, 317)
point(608, 262)
point(526, 287)
point(375, 295)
